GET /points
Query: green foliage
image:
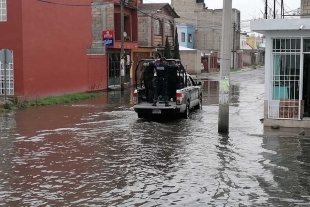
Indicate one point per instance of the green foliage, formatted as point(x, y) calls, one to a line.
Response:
point(176, 46)
point(55, 100)
point(167, 49)
point(52, 100)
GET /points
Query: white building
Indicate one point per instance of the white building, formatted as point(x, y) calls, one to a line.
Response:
point(287, 77)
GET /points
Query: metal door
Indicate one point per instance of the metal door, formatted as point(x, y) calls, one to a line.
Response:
point(114, 69)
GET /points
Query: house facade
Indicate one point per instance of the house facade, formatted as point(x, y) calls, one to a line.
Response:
point(156, 21)
point(48, 51)
point(57, 49)
point(107, 19)
point(186, 35)
point(208, 29)
point(287, 77)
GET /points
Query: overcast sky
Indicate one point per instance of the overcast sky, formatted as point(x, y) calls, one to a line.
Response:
point(250, 9)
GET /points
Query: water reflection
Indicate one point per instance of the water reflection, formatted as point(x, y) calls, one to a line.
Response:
point(288, 160)
point(211, 93)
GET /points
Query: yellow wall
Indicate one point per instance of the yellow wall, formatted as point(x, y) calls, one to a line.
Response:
point(252, 42)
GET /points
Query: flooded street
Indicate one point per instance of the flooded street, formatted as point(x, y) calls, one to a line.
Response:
point(98, 153)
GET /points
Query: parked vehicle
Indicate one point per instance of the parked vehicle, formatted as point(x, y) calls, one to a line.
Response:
point(185, 94)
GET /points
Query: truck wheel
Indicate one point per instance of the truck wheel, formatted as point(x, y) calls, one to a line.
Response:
point(186, 112)
point(142, 116)
point(199, 105)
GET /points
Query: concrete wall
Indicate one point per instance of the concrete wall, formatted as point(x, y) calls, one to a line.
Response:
point(102, 19)
point(191, 60)
point(147, 37)
point(305, 8)
point(145, 31)
point(55, 41)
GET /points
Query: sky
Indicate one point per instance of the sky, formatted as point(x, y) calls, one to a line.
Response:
point(250, 9)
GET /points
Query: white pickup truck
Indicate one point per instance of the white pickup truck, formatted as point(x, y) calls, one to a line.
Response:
point(185, 95)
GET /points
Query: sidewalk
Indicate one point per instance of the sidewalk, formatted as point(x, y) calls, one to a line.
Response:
point(202, 76)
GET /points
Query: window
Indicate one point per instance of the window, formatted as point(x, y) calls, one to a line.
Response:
point(158, 27)
point(169, 29)
point(8, 71)
point(183, 37)
point(285, 80)
point(3, 16)
point(190, 38)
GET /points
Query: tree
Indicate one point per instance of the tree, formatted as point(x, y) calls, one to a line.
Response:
point(176, 46)
point(167, 49)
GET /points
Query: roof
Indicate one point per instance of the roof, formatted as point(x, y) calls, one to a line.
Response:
point(158, 6)
point(267, 25)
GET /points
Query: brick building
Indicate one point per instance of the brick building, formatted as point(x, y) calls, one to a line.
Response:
point(208, 25)
point(305, 8)
point(156, 21)
point(108, 17)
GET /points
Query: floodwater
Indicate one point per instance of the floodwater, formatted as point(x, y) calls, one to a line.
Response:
point(97, 153)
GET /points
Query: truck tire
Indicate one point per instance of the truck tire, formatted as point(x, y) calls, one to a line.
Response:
point(142, 116)
point(186, 112)
point(199, 105)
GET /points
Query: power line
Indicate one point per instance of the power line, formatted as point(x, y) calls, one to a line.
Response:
point(64, 4)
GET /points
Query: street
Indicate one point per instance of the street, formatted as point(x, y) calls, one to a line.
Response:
point(98, 153)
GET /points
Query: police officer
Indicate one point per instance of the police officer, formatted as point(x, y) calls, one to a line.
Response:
point(148, 76)
point(161, 81)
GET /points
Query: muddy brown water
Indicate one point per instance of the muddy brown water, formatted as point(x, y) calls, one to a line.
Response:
point(97, 153)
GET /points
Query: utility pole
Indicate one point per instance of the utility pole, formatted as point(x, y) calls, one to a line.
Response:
point(122, 65)
point(282, 9)
point(266, 9)
point(223, 121)
point(234, 42)
point(274, 9)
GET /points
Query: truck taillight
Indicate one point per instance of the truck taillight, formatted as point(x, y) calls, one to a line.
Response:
point(135, 97)
point(179, 97)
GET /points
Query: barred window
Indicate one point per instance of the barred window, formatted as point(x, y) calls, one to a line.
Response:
point(158, 30)
point(3, 11)
point(285, 79)
point(169, 29)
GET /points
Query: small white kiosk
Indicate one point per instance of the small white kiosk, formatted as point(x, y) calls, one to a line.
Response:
point(287, 71)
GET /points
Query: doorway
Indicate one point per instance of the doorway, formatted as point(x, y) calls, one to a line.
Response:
point(114, 68)
point(306, 85)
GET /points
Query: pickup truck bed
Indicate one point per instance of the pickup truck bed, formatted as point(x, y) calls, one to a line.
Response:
point(184, 95)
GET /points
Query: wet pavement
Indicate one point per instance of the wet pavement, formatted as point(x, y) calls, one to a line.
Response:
point(97, 153)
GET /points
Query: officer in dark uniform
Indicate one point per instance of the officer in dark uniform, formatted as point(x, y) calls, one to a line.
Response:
point(148, 79)
point(161, 81)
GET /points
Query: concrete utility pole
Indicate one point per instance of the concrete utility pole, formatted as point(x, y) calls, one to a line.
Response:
point(274, 9)
point(223, 122)
point(266, 9)
point(282, 9)
point(234, 42)
point(122, 64)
